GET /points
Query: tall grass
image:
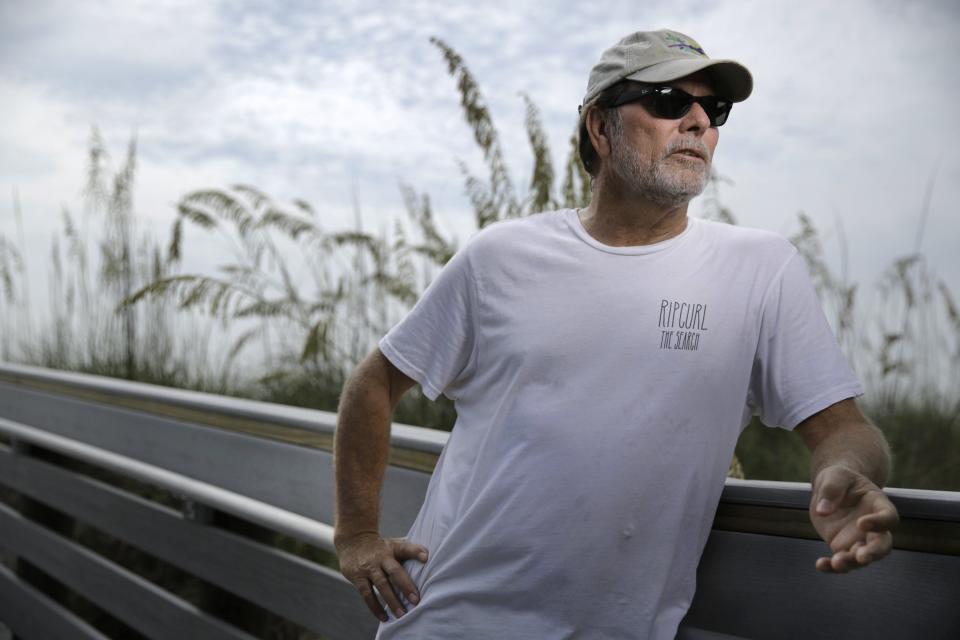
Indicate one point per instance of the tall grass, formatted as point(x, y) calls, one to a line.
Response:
point(89, 328)
point(312, 301)
point(94, 266)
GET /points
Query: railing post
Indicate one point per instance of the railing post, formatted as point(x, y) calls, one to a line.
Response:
point(19, 447)
point(45, 516)
point(211, 599)
point(196, 511)
point(208, 597)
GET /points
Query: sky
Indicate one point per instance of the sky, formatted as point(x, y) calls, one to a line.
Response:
point(853, 113)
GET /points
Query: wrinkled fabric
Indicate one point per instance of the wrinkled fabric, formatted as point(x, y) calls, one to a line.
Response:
point(600, 392)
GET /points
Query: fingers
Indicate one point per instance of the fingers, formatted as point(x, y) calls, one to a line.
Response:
point(860, 554)
point(370, 599)
point(385, 589)
point(371, 564)
point(840, 562)
point(878, 545)
point(406, 550)
point(883, 519)
point(831, 485)
point(401, 580)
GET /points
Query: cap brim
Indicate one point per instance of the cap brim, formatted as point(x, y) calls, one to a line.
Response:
point(733, 81)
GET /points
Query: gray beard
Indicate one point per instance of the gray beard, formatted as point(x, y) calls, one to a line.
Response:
point(657, 181)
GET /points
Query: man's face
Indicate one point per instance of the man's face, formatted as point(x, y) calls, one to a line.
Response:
point(662, 160)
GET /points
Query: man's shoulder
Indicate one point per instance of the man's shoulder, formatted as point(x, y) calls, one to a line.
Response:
point(748, 241)
point(511, 233)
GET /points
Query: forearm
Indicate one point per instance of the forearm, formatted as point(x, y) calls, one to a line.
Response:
point(849, 465)
point(361, 449)
point(856, 444)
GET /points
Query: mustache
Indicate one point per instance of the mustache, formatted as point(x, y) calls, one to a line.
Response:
point(697, 146)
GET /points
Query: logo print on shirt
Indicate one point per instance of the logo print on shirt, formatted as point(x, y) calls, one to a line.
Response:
point(681, 324)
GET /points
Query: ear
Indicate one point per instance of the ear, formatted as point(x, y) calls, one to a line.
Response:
point(597, 130)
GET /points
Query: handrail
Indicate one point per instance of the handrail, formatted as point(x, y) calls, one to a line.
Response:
point(300, 527)
point(911, 503)
point(404, 436)
point(777, 510)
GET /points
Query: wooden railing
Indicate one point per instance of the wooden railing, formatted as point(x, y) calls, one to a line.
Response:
point(189, 464)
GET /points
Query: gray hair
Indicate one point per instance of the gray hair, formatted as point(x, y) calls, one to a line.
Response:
point(588, 155)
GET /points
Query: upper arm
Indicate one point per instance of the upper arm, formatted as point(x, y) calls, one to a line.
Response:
point(817, 427)
point(798, 366)
point(397, 381)
point(376, 380)
point(436, 344)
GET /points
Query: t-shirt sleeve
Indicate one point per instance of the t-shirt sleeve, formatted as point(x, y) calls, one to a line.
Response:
point(435, 343)
point(798, 368)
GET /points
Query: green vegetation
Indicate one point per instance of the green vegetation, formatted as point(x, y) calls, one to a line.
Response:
point(84, 330)
point(317, 300)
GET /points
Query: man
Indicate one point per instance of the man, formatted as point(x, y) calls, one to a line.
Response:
point(603, 363)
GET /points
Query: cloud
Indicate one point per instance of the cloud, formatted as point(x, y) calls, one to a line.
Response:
point(852, 105)
point(96, 51)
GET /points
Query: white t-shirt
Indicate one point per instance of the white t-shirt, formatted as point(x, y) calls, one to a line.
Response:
point(600, 392)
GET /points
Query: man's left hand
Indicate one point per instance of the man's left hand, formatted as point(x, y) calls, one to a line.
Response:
point(853, 516)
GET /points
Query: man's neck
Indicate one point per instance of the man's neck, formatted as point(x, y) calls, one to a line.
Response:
point(624, 220)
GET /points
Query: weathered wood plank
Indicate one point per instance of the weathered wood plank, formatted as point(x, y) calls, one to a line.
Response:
point(410, 447)
point(692, 633)
point(33, 616)
point(291, 477)
point(759, 586)
point(128, 597)
point(308, 594)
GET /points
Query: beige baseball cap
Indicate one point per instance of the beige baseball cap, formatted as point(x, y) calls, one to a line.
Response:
point(662, 56)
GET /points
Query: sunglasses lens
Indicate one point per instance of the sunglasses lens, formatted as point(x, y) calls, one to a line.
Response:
point(672, 104)
point(718, 111)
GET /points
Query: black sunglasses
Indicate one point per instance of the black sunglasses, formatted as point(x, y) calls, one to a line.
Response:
point(673, 103)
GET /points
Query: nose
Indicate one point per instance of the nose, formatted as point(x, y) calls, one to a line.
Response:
point(696, 119)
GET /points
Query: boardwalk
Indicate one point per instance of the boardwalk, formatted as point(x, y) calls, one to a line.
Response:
point(222, 460)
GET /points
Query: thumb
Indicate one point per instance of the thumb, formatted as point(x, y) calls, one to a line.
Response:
point(406, 550)
point(831, 487)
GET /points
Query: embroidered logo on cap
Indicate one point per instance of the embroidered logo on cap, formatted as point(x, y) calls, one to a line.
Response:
point(676, 40)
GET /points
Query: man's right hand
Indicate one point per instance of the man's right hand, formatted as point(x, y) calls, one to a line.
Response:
point(368, 560)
